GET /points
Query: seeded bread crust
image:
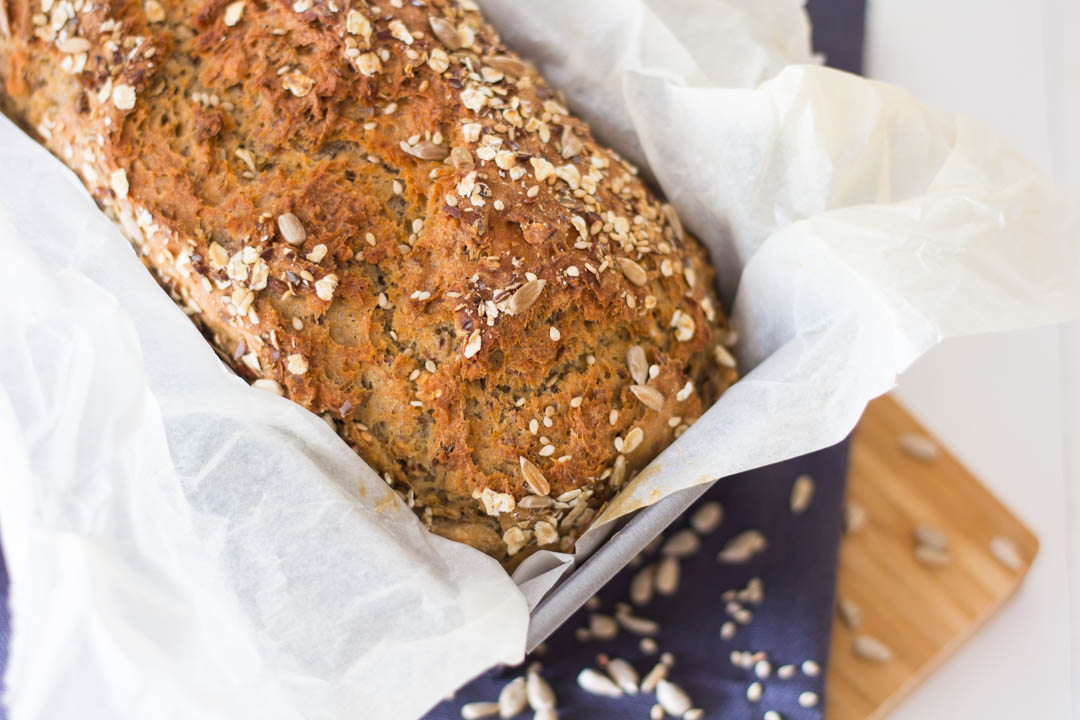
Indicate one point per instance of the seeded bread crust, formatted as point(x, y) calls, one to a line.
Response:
point(381, 213)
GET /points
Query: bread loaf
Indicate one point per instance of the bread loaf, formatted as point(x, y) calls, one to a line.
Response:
point(380, 212)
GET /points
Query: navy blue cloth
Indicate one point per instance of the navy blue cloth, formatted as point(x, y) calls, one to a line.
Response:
point(798, 568)
point(792, 624)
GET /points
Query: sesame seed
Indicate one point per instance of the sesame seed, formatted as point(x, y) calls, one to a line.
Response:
point(555, 334)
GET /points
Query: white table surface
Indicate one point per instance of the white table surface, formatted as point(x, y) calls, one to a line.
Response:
point(1007, 405)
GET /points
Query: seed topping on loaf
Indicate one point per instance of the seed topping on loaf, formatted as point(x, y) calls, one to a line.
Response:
point(380, 212)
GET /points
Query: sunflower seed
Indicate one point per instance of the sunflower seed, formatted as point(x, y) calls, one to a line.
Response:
point(754, 692)
point(637, 625)
point(538, 691)
point(638, 364)
point(512, 698)
point(596, 683)
point(525, 296)
point(742, 547)
point(624, 675)
point(802, 492)
point(292, 230)
point(74, 45)
point(603, 627)
point(918, 446)
point(931, 556)
point(693, 714)
point(507, 65)
point(727, 630)
point(477, 710)
point(808, 699)
point(633, 272)
point(667, 575)
point(785, 672)
point(535, 479)
point(445, 31)
point(771, 715)
point(931, 536)
point(650, 397)
point(633, 439)
point(754, 591)
point(763, 669)
point(641, 586)
point(656, 712)
point(269, 385)
point(682, 544)
point(1006, 552)
point(811, 668)
point(707, 517)
point(426, 150)
point(870, 648)
point(673, 219)
point(724, 357)
point(654, 676)
point(672, 698)
point(854, 516)
point(849, 612)
point(535, 502)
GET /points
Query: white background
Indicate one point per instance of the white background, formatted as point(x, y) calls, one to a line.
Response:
point(1008, 405)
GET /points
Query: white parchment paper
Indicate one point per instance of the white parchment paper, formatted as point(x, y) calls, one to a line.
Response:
point(184, 546)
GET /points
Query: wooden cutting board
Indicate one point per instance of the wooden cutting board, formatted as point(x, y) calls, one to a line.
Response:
point(922, 613)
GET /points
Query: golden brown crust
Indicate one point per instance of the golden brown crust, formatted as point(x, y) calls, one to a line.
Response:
point(388, 217)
